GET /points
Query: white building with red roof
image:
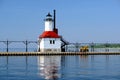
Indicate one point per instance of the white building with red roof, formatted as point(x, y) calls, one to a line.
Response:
point(49, 40)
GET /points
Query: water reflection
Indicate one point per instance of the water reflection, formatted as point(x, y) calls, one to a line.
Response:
point(97, 67)
point(49, 66)
point(84, 60)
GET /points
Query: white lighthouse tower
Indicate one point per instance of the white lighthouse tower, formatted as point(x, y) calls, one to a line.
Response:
point(49, 40)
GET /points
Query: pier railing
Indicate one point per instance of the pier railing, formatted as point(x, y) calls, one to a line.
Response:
point(26, 43)
point(70, 47)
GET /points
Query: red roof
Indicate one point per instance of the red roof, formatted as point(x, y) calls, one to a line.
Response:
point(49, 34)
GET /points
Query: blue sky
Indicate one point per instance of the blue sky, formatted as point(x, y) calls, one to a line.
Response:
point(77, 20)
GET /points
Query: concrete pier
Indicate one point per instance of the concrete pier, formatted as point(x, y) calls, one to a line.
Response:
point(54, 53)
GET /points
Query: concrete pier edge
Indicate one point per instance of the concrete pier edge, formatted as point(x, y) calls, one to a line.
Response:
point(55, 53)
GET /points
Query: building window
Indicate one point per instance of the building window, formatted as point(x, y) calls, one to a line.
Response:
point(52, 41)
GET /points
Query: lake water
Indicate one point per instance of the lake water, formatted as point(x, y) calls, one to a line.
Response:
point(92, 67)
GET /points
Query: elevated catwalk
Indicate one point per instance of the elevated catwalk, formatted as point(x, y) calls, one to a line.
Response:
point(54, 53)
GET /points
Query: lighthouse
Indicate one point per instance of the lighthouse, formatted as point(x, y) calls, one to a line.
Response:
point(49, 40)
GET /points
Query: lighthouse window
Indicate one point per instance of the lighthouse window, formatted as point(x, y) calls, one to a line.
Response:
point(52, 41)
